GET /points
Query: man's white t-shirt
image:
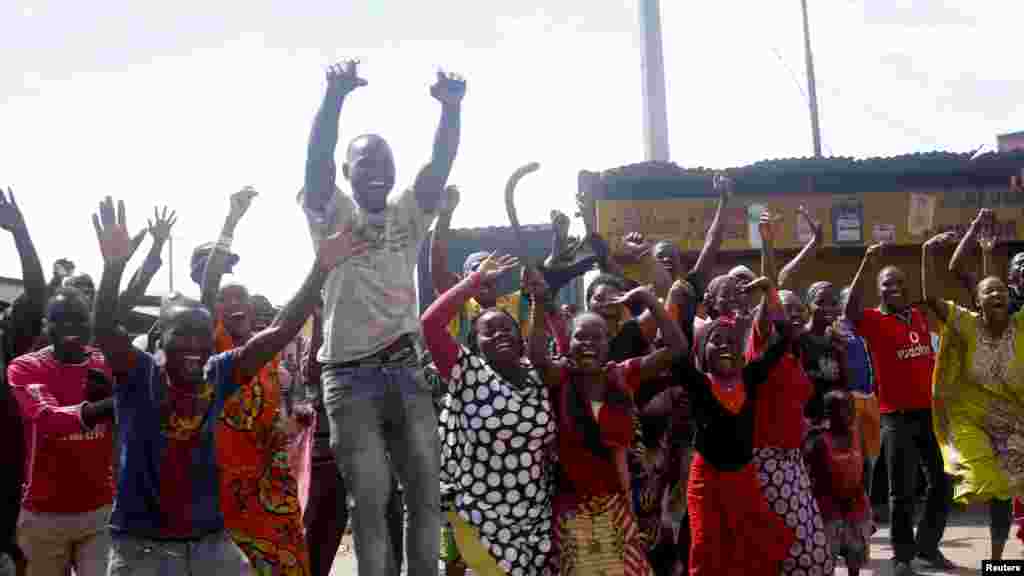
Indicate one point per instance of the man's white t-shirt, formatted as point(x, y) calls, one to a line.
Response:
point(370, 301)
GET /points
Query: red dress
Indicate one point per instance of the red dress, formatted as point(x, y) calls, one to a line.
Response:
point(778, 436)
point(595, 528)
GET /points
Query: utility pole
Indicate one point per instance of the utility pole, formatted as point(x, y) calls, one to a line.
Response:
point(652, 69)
point(812, 92)
point(170, 263)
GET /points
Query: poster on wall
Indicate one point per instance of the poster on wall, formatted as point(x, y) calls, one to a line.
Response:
point(754, 212)
point(804, 232)
point(847, 220)
point(883, 233)
point(922, 214)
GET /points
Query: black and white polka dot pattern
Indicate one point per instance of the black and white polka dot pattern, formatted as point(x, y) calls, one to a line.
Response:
point(497, 447)
point(787, 488)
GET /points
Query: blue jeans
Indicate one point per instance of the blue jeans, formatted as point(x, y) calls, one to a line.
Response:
point(212, 555)
point(374, 411)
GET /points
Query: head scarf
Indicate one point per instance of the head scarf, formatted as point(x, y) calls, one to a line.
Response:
point(199, 257)
point(729, 391)
point(815, 289)
point(701, 337)
point(714, 287)
point(742, 270)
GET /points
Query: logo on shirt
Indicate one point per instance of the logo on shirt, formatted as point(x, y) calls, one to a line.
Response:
point(915, 349)
point(97, 433)
point(36, 392)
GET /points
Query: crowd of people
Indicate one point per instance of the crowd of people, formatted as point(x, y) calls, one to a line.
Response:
point(684, 422)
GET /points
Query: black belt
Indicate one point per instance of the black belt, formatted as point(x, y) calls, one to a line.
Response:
point(401, 346)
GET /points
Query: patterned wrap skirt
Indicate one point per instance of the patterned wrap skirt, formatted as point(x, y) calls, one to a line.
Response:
point(599, 536)
point(786, 487)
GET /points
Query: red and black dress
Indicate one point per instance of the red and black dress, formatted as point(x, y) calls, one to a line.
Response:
point(732, 529)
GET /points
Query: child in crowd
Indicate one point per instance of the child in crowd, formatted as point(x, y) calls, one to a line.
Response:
point(837, 473)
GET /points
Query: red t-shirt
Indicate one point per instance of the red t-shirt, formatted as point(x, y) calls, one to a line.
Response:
point(903, 359)
point(69, 468)
point(779, 407)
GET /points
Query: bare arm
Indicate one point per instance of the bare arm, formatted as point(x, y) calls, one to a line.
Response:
point(323, 139)
point(449, 90)
point(160, 230)
point(29, 312)
point(928, 252)
point(675, 344)
point(537, 341)
point(766, 284)
point(216, 262)
point(770, 309)
point(261, 348)
point(716, 232)
point(854, 308)
point(812, 245)
point(442, 278)
point(964, 248)
point(117, 247)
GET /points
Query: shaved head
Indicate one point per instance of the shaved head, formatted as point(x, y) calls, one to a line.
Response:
point(370, 169)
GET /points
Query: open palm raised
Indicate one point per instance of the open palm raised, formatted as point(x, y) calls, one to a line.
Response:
point(494, 266)
point(116, 245)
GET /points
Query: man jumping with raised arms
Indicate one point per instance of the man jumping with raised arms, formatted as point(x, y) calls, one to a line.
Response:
point(377, 401)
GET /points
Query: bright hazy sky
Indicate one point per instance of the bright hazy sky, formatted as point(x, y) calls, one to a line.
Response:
point(182, 103)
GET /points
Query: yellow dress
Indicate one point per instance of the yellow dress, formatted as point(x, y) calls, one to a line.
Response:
point(978, 406)
point(511, 303)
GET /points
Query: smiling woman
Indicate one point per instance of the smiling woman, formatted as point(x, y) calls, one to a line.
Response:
point(977, 406)
point(498, 433)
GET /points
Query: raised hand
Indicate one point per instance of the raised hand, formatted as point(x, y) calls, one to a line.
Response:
point(766, 226)
point(985, 217)
point(448, 88)
point(450, 199)
point(757, 285)
point(343, 77)
point(811, 222)
point(161, 224)
point(874, 251)
point(983, 227)
point(494, 266)
point(942, 239)
point(10, 215)
point(240, 202)
point(339, 247)
point(560, 222)
point(635, 247)
point(724, 186)
point(640, 295)
point(116, 245)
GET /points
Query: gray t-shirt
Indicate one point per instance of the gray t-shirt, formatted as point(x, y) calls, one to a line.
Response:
point(370, 300)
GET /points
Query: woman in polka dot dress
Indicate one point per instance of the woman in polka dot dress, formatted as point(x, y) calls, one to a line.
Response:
point(498, 434)
point(596, 530)
point(779, 428)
